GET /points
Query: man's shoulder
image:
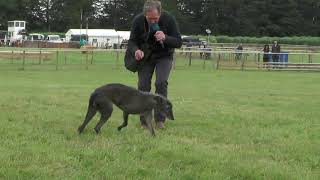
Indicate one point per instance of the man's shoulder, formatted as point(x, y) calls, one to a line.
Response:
point(165, 14)
point(138, 17)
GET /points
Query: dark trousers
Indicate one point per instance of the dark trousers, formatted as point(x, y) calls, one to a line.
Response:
point(275, 57)
point(162, 68)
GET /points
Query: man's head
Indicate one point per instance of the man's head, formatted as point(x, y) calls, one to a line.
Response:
point(275, 42)
point(152, 11)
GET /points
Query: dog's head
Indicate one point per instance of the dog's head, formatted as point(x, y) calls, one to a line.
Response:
point(164, 106)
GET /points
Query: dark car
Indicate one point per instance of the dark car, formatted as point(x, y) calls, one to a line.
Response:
point(77, 37)
point(191, 41)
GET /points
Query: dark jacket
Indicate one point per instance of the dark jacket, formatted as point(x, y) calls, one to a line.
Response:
point(275, 48)
point(141, 33)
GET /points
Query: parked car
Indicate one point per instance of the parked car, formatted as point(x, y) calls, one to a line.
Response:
point(188, 40)
point(35, 37)
point(54, 38)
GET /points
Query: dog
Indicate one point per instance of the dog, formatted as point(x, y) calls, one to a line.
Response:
point(129, 100)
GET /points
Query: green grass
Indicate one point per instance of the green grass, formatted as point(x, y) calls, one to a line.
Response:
point(229, 125)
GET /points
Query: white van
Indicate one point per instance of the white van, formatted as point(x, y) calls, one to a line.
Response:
point(35, 37)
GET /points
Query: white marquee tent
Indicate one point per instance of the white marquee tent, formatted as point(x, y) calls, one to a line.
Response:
point(97, 37)
point(125, 35)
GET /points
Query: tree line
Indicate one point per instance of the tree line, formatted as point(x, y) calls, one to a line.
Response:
point(223, 17)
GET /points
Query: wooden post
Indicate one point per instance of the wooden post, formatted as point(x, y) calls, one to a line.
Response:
point(310, 59)
point(189, 58)
point(23, 59)
point(174, 61)
point(218, 61)
point(57, 59)
point(91, 57)
point(65, 57)
point(255, 57)
point(117, 56)
point(40, 56)
point(243, 60)
point(12, 57)
point(87, 61)
point(259, 60)
point(213, 58)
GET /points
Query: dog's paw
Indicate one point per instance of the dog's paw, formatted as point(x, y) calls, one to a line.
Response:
point(80, 130)
point(119, 128)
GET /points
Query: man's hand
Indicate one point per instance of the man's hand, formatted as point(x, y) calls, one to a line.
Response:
point(139, 55)
point(160, 36)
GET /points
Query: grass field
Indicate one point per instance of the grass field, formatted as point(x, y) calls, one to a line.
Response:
point(229, 125)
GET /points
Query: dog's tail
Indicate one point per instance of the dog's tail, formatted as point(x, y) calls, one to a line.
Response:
point(92, 100)
point(92, 110)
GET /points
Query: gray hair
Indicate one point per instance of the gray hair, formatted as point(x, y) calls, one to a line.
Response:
point(150, 5)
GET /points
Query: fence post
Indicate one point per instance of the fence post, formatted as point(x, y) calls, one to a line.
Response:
point(310, 60)
point(57, 59)
point(213, 58)
point(174, 61)
point(87, 59)
point(117, 56)
point(23, 59)
point(65, 57)
point(255, 57)
point(189, 58)
point(12, 57)
point(259, 60)
point(40, 56)
point(243, 60)
point(91, 57)
point(218, 61)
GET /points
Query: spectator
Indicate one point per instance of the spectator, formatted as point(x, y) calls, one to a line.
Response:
point(239, 52)
point(266, 51)
point(275, 50)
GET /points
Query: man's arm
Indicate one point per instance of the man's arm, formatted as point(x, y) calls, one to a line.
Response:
point(134, 36)
point(173, 38)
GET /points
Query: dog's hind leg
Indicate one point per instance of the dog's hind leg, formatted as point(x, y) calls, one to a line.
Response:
point(91, 112)
point(125, 121)
point(105, 109)
point(148, 117)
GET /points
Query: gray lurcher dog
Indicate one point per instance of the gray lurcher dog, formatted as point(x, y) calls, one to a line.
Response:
point(129, 100)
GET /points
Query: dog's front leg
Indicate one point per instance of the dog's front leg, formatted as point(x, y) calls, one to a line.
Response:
point(148, 117)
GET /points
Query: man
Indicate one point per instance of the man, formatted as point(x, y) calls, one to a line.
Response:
point(275, 49)
point(158, 29)
point(239, 52)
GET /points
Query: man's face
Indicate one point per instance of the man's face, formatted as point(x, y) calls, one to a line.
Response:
point(152, 16)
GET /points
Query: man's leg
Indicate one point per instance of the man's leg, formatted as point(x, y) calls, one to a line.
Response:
point(144, 81)
point(277, 60)
point(163, 68)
